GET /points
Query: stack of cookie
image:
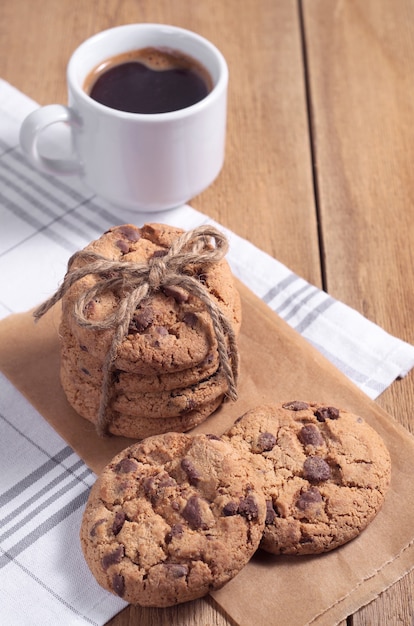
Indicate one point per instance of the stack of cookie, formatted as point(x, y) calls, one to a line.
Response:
point(166, 375)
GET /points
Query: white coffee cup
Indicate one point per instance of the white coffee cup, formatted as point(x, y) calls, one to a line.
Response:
point(146, 162)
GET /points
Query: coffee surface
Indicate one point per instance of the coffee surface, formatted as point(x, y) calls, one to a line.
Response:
point(149, 80)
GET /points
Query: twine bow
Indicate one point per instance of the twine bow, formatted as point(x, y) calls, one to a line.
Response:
point(138, 281)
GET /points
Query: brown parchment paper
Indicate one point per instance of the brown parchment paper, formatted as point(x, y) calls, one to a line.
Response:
point(277, 365)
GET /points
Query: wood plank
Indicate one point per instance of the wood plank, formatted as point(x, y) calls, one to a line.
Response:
point(393, 608)
point(360, 57)
point(265, 191)
point(203, 612)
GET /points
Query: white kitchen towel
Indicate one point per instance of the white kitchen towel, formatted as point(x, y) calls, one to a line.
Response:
point(43, 489)
point(43, 220)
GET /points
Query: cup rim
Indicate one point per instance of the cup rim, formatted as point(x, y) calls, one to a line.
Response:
point(216, 91)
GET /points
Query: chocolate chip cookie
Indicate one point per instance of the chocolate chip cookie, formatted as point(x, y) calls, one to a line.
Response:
point(171, 329)
point(172, 518)
point(325, 473)
point(80, 363)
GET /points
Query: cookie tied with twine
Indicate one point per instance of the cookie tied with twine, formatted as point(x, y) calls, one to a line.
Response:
point(171, 267)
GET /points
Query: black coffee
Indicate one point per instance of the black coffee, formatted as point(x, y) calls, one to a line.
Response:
point(150, 80)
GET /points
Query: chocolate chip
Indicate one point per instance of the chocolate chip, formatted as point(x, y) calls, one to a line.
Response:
point(122, 245)
point(306, 539)
point(83, 348)
point(113, 557)
point(165, 480)
point(295, 405)
point(213, 437)
point(118, 584)
point(271, 514)
point(129, 232)
point(178, 293)
point(189, 468)
point(176, 530)
point(326, 412)
point(310, 434)
point(231, 508)
point(149, 486)
point(192, 513)
point(190, 405)
point(190, 319)
point(316, 469)
point(307, 498)
point(118, 522)
point(154, 485)
point(92, 531)
point(176, 570)
point(248, 508)
point(266, 442)
point(141, 319)
point(125, 466)
point(85, 371)
point(159, 254)
point(162, 332)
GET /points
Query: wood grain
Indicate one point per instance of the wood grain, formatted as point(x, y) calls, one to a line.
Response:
point(196, 613)
point(338, 195)
point(360, 57)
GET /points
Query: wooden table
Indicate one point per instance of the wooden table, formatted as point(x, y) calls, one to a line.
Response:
point(319, 167)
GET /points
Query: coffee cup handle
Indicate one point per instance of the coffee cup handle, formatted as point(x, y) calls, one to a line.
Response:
point(34, 124)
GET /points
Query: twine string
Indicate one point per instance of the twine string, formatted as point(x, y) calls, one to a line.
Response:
point(137, 281)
